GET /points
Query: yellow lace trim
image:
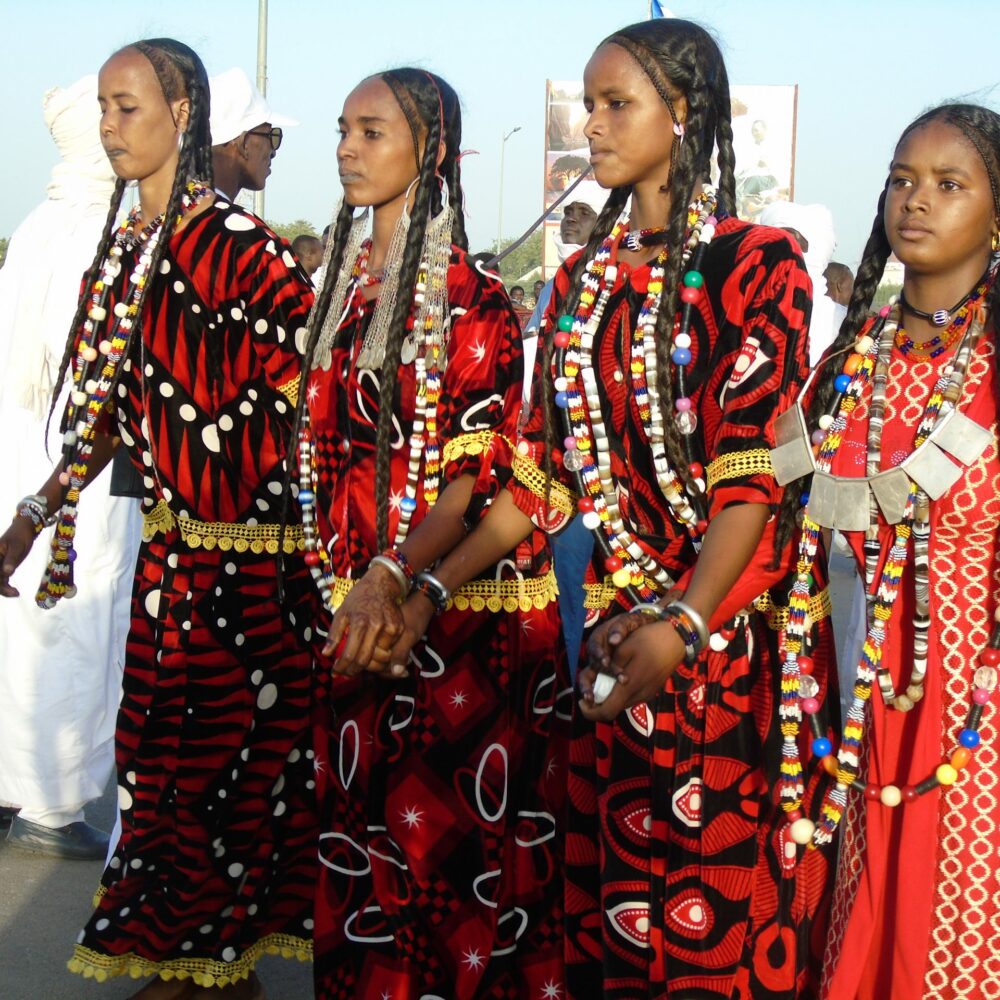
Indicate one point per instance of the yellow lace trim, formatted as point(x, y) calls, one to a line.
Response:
point(474, 443)
point(204, 971)
point(820, 607)
point(528, 474)
point(599, 596)
point(484, 595)
point(211, 534)
point(290, 390)
point(738, 465)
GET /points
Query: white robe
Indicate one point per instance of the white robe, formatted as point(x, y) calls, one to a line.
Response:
point(60, 670)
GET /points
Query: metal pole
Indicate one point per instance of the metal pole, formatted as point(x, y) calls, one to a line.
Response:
point(258, 196)
point(503, 146)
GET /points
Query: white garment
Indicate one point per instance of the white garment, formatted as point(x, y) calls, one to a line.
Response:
point(60, 670)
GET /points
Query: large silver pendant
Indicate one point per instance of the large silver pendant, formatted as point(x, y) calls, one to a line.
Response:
point(931, 469)
point(791, 457)
point(892, 490)
point(839, 502)
point(408, 352)
point(961, 437)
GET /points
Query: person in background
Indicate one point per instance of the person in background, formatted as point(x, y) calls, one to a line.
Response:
point(536, 289)
point(517, 296)
point(839, 282)
point(60, 672)
point(309, 251)
point(246, 134)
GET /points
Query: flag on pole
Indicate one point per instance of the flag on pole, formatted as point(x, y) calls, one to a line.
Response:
point(656, 9)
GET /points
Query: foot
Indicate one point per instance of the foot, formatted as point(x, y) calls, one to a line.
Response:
point(165, 989)
point(78, 841)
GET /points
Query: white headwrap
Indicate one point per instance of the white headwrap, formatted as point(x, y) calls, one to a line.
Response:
point(52, 248)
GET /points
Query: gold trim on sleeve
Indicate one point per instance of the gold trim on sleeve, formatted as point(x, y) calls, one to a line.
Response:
point(819, 608)
point(474, 443)
point(290, 390)
point(738, 465)
point(529, 475)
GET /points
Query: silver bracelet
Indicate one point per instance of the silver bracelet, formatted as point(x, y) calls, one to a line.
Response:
point(694, 619)
point(397, 574)
point(653, 610)
point(433, 589)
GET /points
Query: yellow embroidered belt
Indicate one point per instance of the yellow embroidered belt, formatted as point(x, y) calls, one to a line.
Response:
point(484, 595)
point(602, 595)
point(225, 536)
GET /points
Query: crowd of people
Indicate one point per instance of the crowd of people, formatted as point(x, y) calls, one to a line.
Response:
point(479, 652)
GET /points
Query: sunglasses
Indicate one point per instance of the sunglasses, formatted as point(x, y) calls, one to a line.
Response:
point(274, 134)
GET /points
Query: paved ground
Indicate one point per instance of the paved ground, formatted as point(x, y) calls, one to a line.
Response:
point(44, 902)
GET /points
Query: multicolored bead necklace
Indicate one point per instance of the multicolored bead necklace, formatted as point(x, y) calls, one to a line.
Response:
point(642, 238)
point(425, 447)
point(586, 453)
point(869, 363)
point(92, 381)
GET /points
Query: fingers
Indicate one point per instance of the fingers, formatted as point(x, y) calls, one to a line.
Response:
point(611, 707)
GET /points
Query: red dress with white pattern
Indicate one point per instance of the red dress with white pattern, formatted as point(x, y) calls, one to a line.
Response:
point(681, 878)
point(216, 860)
point(442, 795)
point(916, 912)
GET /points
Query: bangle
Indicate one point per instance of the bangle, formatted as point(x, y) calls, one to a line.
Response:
point(397, 574)
point(688, 636)
point(35, 508)
point(433, 589)
point(692, 621)
point(396, 555)
point(657, 611)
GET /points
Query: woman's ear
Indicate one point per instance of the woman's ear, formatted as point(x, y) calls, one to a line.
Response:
point(442, 152)
point(181, 111)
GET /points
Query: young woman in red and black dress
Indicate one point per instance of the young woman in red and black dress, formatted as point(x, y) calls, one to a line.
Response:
point(442, 730)
point(185, 349)
point(673, 340)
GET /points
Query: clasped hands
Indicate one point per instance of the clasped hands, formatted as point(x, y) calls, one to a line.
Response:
point(640, 652)
point(372, 631)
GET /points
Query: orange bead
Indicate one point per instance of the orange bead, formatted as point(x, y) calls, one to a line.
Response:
point(852, 364)
point(831, 764)
point(960, 758)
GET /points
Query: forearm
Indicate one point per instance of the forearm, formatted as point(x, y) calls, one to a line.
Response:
point(54, 491)
point(442, 528)
point(500, 531)
point(731, 540)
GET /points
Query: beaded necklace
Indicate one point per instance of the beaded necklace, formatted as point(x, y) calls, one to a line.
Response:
point(92, 384)
point(586, 452)
point(432, 320)
point(642, 238)
point(870, 364)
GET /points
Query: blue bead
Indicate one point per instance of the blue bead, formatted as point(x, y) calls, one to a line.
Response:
point(822, 747)
point(408, 504)
point(71, 555)
point(841, 383)
point(306, 496)
point(969, 738)
point(804, 499)
point(562, 400)
point(680, 356)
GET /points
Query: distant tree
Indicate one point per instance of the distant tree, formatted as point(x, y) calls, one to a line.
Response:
point(522, 261)
point(885, 292)
point(289, 230)
point(3, 249)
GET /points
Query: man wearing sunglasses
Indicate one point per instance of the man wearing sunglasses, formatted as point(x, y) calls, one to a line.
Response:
point(246, 133)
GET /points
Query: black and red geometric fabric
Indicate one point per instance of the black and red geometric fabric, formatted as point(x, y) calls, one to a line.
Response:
point(681, 877)
point(442, 794)
point(216, 862)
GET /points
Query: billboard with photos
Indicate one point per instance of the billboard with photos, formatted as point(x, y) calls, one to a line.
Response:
point(763, 139)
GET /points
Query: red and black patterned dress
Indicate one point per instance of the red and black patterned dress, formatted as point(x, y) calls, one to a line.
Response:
point(681, 879)
point(442, 795)
point(216, 862)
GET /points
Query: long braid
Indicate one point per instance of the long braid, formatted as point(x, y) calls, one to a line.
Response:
point(83, 304)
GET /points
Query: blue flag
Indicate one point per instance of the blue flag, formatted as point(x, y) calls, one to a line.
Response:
point(656, 9)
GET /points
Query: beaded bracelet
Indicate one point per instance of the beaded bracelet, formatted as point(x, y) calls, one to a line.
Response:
point(433, 589)
point(688, 635)
point(395, 571)
point(692, 621)
point(35, 508)
point(396, 554)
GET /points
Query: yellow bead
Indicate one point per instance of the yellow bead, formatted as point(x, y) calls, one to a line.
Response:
point(621, 578)
point(946, 774)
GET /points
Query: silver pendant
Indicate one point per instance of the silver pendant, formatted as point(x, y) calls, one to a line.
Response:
point(961, 437)
point(891, 489)
point(839, 502)
point(931, 469)
point(408, 352)
point(791, 457)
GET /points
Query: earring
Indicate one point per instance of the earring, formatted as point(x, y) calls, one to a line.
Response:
point(995, 244)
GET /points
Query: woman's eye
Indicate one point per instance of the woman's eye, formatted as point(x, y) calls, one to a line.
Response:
point(370, 133)
point(617, 105)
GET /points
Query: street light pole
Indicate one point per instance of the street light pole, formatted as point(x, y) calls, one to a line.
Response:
point(258, 196)
point(503, 146)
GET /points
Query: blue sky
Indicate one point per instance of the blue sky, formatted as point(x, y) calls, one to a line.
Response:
point(864, 69)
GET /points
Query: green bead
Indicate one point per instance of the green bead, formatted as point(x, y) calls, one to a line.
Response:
point(694, 279)
point(565, 323)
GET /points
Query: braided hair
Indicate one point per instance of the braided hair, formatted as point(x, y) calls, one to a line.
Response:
point(181, 74)
point(680, 59)
point(432, 111)
point(981, 127)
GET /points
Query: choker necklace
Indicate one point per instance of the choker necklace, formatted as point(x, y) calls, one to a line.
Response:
point(940, 317)
point(644, 238)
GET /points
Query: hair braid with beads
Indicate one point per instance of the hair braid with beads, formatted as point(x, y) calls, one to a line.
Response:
point(425, 99)
point(181, 74)
point(680, 59)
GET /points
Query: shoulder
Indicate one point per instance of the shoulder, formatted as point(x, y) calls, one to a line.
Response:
point(472, 286)
point(742, 245)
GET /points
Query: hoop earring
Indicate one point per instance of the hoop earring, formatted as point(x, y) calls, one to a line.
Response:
point(995, 242)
